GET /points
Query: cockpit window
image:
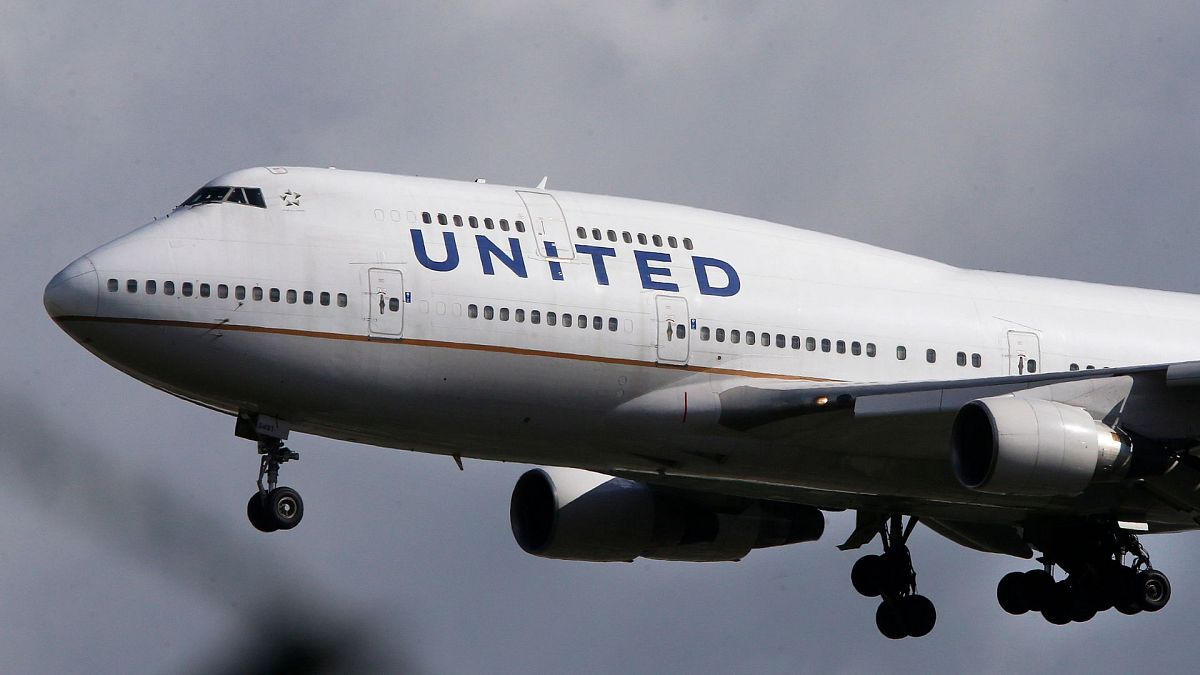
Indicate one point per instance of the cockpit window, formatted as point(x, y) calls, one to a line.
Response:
point(215, 194)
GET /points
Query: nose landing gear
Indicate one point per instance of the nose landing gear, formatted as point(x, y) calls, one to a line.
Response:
point(271, 507)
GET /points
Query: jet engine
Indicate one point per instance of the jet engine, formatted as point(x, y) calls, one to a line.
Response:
point(571, 514)
point(1024, 446)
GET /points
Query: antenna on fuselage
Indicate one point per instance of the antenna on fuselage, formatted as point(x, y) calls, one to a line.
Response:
point(542, 185)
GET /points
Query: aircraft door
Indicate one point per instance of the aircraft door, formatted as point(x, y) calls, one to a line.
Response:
point(549, 225)
point(674, 330)
point(387, 302)
point(1024, 353)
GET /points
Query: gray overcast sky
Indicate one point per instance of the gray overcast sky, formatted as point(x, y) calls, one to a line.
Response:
point(1059, 138)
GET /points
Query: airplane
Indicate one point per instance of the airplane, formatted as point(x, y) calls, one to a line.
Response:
point(698, 384)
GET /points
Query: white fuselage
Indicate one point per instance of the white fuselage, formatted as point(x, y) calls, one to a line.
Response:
point(436, 347)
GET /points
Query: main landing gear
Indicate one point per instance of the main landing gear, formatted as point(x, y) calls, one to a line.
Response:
point(1097, 578)
point(902, 611)
point(272, 507)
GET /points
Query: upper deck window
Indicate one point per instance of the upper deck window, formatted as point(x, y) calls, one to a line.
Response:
point(215, 194)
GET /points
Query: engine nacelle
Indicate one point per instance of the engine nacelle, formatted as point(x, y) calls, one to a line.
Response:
point(571, 514)
point(1025, 446)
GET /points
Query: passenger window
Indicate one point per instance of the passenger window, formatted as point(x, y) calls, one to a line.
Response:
point(641, 239)
point(258, 293)
point(704, 333)
point(426, 218)
point(597, 322)
point(687, 243)
point(551, 318)
point(961, 358)
point(811, 344)
point(612, 236)
point(504, 225)
point(504, 314)
point(841, 346)
point(131, 285)
point(582, 321)
point(535, 316)
point(168, 288)
point(474, 222)
point(658, 240)
point(901, 353)
point(871, 350)
point(680, 331)
point(113, 285)
point(205, 291)
point(325, 298)
point(751, 337)
point(458, 220)
point(519, 225)
point(151, 287)
point(342, 300)
point(1090, 368)
point(239, 292)
point(856, 348)
point(931, 355)
point(612, 324)
point(766, 340)
point(627, 238)
point(596, 234)
point(222, 291)
point(568, 320)
point(274, 294)
point(826, 345)
point(977, 361)
point(489, 312)
point(472, 311)
point(735, 336)
point(780, 341)
point(187, 289)
point(520, 316)
point(1074, 366)
point(581, 233)
point(720, 335)
point(308, 297)
point(795, 342)
point(441, 219)
point(394, 304)
point(672, 242)
point(490, 224)
point(1032, 363)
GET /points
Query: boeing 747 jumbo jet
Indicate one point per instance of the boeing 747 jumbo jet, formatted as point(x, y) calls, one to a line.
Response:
point(703, 384)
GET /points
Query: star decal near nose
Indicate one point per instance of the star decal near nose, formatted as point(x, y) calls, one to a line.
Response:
point(290, 198)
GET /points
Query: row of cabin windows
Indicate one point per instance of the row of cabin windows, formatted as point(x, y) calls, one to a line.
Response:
point(535, 317)
point(204, 290)
point(472, 221)
point(628, 237)
point(1075, 366)
point(856, 348)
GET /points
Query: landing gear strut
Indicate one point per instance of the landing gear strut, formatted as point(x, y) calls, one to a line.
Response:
point(891, 577)
point(271, 507)
point(1097, 578)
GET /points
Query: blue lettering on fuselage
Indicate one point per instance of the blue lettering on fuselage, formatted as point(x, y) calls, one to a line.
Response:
point(652, 266)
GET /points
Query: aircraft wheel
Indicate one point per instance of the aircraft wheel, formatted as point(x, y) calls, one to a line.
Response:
point(890, 621)
point(1012, 593)
point(1057, 609)
point(866, 575)
point(1038, 586)
point(919, 615)
point(257, 513)
point(1153, 590)
point(284, 507)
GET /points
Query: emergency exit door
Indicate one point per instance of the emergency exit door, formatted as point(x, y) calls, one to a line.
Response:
point(674, 331)
point(1024, 353)
point(387, 302)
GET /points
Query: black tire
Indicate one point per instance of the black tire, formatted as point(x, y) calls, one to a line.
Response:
point(1057, 609)
point(284, 508)
point(895, 574)
point(257, 514)
point(866, 576)
point(1083, 604)
point(1012, 593)
point(1153, 590)
point(919, 615)
point(890, 621)
point(1038, 587)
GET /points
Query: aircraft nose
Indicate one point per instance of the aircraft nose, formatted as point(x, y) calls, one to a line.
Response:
point(75, 291)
